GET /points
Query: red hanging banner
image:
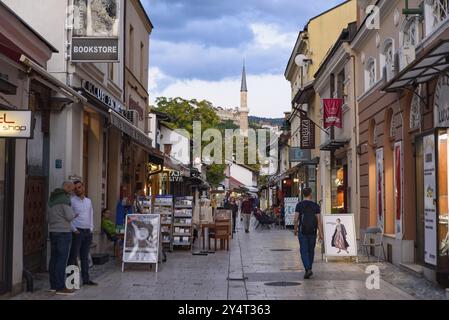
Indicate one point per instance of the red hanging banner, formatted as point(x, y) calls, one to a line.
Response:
point(333, 113)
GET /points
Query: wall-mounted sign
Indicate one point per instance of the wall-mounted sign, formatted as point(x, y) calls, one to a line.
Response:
point(333, 113)
point(441, 107)
point(430, 201)
point(58, 163)
point(16, 124)
point(96, 25)
point(95, 50)
point(307, 134)
point(102, 96)
point(290, 208)
point(299, 155)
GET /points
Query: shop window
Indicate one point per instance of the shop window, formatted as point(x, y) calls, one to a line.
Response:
point(338, 190)
point(389, 174)
point(443, 193)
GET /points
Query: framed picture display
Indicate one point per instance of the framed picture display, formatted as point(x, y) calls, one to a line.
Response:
point(340, 239)
point(141, 243)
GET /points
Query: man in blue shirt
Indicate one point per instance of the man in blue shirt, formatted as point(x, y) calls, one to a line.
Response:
point(307, 222)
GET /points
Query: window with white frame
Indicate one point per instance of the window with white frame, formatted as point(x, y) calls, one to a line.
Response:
point(410, 33)
point(387, 59)
point(370, 73)
point(437, 11)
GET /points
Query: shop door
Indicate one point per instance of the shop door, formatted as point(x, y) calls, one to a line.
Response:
point(6, 212)
point(34, 223)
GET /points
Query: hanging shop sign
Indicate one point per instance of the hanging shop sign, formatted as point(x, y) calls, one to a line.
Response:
point(307, 134)
point(95, 36)
point(380, 191)
point(333, 113)
point(16, 124)
point(290, 208)
point(430, 209)
point(141, 239)
point(299, 155)
point(103, 96)
point(398, 189)
point(441, 105)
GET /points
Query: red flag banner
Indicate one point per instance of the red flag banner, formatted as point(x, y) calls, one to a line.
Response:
point(333, 113)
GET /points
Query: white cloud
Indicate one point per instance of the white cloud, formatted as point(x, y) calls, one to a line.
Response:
point(267, 36)
point(268, 96)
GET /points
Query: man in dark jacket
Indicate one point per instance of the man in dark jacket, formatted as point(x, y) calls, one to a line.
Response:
point(60, 216)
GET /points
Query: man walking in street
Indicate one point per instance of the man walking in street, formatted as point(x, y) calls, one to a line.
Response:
point(82, 228)
point(60, 216)
point(307, 222)
point(247, 208)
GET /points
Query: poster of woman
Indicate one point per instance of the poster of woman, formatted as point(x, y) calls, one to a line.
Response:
point(339, 235)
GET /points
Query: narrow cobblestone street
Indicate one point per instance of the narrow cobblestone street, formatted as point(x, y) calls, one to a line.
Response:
point(254, 261)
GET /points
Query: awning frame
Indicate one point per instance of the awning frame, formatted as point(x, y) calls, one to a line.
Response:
point(425, 71)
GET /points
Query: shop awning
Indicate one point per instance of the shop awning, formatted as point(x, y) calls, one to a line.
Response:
point(45, 77)
point(333, 145)
point(137, 135)
point(303, 96)
point(429, 64)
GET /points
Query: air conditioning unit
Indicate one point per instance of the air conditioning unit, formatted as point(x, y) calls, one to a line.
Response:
point(132, 116)
point(407, 54)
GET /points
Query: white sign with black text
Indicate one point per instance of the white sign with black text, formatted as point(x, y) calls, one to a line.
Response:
point(16, 124)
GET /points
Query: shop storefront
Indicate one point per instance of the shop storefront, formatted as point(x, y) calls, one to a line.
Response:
point(427, 109)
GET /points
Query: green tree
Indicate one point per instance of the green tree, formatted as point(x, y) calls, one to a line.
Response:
point(183, 113)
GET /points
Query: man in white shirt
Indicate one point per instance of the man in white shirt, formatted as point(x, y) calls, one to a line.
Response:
point(82, 228)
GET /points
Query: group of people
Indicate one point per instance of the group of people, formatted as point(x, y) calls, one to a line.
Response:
point(245, 206)
point(70, 220)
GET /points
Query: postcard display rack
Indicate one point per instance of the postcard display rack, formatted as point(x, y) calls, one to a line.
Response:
point(163, 205)
point(182, 222)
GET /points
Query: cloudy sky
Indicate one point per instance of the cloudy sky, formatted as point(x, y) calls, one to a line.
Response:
point(198, 47)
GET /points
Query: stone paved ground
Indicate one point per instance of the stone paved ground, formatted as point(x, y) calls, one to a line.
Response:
point(255, 260)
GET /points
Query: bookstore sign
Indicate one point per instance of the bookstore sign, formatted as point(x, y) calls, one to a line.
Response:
point(95, 30)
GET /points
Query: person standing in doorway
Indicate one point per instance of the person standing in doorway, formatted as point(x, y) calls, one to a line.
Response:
point(307, 222)
point(247, 209)
point(82, 228)
point(60, 216)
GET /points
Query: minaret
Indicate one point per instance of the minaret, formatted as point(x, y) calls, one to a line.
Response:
point(244, 105)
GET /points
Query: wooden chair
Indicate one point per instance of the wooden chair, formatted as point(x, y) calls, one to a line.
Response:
point(221, 233)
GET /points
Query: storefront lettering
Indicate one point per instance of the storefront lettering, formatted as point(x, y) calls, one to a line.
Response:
point(15, 124)
point(441, 104)
point(103, 97)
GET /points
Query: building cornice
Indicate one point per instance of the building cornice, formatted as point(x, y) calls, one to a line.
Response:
point(364, 33)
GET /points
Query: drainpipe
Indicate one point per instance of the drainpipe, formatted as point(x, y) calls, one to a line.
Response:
point(356, 144)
